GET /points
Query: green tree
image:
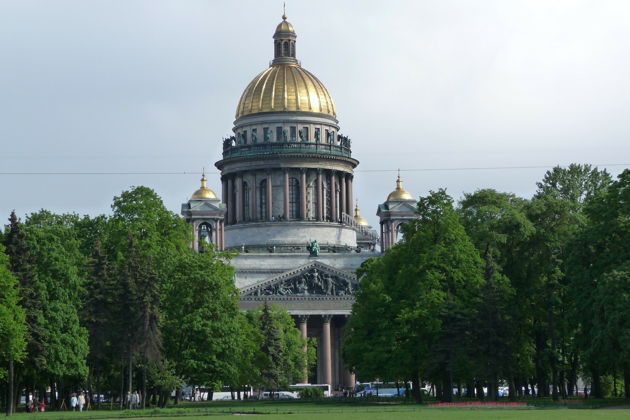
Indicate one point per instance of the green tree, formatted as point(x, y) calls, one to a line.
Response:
point(557, 214)
point(496, 222)
point(428, 287)
point(201, 326)
point(599, 256)
point(59, 264)
point(281, 346)
point(12, 327)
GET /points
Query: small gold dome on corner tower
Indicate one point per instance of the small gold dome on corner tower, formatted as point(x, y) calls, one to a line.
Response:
point(399, 193)
point(357, 217)
point(204, 192)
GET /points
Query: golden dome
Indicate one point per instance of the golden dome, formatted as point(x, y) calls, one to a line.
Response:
point(204, 192)
point(285, 87)
point(357, 217)
point(399, 193)
point(284, 26)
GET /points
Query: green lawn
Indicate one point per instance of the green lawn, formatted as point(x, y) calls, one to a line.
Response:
point(288, 410)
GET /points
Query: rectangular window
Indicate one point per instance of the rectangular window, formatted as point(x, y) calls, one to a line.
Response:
point(279, 134)
point(305, 134)
point(254, 135)
point(244, 136)
point(327, 136)
point(266, 134)
point(317, 139)
point(293, 133)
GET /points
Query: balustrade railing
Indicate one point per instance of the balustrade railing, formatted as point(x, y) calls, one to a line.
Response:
point(236, 150)
point(348, 220)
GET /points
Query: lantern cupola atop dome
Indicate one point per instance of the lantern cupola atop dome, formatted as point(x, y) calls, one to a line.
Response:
point(284, 43)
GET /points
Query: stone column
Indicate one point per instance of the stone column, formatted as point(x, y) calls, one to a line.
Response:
point(349, 199)
point(382, 237)
point(224, 190)
point(303, 319)
point(286, 194)
point(392, 234)
point(343, 200)
point(326, 349)
point(269, 196)
point(253, 214)
point(303, 194)
point(230, 201)
point(239, 198)
point(320, 196)
point(333, 196)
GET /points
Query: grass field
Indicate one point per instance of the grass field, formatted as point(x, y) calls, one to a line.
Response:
point(289, 410)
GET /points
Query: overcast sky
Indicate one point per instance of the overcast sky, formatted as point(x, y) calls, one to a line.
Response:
point(152, 86)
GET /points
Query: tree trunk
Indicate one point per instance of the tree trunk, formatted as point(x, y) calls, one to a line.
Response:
point(122, 384)
point(470, 389)
point(144, 386)
point(10, 409)
point(447, 386)
point(596, 386)
point(130, 374)
point(415, 388)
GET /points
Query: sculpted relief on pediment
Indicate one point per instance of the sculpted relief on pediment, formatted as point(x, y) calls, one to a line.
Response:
point(313, 282)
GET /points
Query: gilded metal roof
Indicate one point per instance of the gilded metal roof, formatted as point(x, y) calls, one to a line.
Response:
point(399, 193)
point(204, 191)
point(285, 87)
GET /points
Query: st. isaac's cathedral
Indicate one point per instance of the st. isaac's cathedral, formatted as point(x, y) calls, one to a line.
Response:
point(287, 206)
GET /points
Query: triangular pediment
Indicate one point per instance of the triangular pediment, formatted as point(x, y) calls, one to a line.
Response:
point(314, 279)
point(204, 205)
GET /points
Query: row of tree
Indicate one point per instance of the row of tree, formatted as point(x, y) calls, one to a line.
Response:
point(122, 303)
point(500, 290)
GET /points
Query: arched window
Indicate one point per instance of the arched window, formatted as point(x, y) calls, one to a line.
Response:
point(292, 49)
point(262, 200)
point(278, 48)
point(246, 208)
point(205, 233)
point(285, 49)
point(294, 199)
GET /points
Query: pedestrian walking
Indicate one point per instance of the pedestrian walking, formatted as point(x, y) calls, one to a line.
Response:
point(81, 401)
point(74, 401)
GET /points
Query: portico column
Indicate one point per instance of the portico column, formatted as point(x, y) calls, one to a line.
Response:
point(349, 199)
point(303, 194)
point(333, 196)
point(239, 198)
point(286, 194)
point(326, 349)
point(304, 333)
point(230, 201)
point(269, 196)
point(320, 196)
point(342, 194)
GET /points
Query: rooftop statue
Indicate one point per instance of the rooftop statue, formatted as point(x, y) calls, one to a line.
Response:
point(313, 248)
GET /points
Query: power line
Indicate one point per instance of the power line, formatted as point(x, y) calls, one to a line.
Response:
point(468, 168)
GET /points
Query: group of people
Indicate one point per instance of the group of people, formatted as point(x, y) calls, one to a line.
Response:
point(77, 401)
point(133, 400)
point(34, 406)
